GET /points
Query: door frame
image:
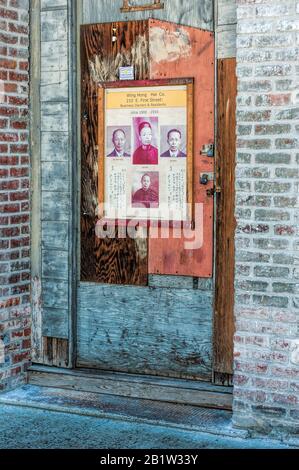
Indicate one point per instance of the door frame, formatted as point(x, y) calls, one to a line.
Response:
point(75, 21)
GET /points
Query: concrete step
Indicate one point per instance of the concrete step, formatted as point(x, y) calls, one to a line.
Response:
point(187, 417)
point(189, 392)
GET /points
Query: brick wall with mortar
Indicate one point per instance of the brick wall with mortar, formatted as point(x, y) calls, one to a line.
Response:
point(15, 332)
point(266, 393)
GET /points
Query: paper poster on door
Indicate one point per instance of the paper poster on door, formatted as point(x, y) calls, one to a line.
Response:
point(145, 151)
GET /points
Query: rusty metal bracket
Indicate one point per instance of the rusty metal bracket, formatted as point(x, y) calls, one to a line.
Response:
point(156, 5)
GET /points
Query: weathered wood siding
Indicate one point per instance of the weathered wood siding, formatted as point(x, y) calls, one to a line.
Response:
point(55, 167)
point(191, 13)
point(159, 331)
point(225, 28)
point(52, 201)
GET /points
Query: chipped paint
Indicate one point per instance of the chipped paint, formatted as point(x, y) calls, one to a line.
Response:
point(176, 45)
point(36, 290)
point(107, 68)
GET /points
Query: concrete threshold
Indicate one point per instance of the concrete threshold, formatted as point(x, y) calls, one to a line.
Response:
point(180, 416)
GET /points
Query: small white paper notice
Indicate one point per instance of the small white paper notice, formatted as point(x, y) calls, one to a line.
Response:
point(126, 73)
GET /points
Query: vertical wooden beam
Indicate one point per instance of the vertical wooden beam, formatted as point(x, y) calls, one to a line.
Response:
point(35, 183)
point(225, 254)
point(74, 15)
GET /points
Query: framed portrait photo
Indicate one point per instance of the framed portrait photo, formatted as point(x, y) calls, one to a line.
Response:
point(145, 150)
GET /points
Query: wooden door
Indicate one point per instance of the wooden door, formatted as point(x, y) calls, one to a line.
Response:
point(142, 305)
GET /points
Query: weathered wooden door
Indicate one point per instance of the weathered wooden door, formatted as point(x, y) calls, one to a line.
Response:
point(146, 305)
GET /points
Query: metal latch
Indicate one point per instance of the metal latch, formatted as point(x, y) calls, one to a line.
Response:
point(207, 150)
point(214, 190)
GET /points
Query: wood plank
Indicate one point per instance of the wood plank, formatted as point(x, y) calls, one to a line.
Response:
point(55, 206)
point(55, 22)
point(176, 282)
point(35, 152)
point(54, 56)
point(55, 264)
point(55, 352)
point(180, 282)
point(55, 323)
point(54, 146)
point(180, 51)
point(227, 42)
point(55, 235)
point(155, 331)
point(54, 25)
point(115, 261)
point(226, 12)
point(54, 86)
point(134, 386)
point(136, 378)
point(194, 13)
point(225, 255)
point(53, 3)
point(55, 295)
point(54, 117)
point(55, 176)
point(205, 284)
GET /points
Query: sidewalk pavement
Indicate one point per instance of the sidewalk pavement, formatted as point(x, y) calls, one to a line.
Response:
point(43, 418)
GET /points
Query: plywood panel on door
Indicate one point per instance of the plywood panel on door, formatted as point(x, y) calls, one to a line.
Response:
point(117, 260)
point(158, 331)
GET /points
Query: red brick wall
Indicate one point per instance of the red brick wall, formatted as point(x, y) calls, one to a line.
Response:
point(15, 327)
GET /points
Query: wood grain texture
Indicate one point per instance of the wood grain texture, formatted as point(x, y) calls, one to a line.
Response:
point(178, 51)
point(35, 183)
point(156, 331)
point(225, 255)
point(55, 352)
point(115, 261)
point(146, 387)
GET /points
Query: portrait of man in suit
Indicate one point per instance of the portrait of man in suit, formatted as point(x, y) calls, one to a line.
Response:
point(174, 140)
point(119, 140)
point(148, 195)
